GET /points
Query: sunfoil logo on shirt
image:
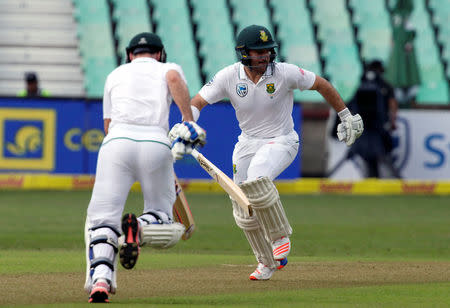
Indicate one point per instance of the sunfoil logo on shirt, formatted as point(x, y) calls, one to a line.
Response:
point(241, 89)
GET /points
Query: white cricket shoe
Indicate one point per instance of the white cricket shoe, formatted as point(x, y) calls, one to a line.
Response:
point(281, 248)
point(262, 272)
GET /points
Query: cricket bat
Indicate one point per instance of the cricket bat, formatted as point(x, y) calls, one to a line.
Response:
point(224, 181)
point(181, 211)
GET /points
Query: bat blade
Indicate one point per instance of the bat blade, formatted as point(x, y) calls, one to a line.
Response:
point(182, 212)
point(224, 181)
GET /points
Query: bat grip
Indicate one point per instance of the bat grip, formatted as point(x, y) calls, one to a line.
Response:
point(195, 153)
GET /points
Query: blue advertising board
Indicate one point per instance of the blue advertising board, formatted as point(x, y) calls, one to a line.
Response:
point(64, 136)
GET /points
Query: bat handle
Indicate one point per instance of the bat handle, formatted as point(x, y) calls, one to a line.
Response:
point(195, 153)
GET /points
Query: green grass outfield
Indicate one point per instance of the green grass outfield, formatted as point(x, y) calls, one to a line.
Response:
point(365, 251)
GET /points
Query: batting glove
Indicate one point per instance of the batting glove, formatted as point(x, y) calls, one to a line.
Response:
point(188, 131)
point(181, 148)
point(350, 128)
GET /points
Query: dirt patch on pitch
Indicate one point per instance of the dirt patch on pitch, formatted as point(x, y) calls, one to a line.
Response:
point(67, 287)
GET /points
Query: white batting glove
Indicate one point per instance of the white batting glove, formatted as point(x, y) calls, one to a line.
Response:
point(188, 131)
point(173, 133)
point(350, 128)
point(181, 148)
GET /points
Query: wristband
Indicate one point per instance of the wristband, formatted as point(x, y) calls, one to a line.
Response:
point(343, 114)
point(195, 113)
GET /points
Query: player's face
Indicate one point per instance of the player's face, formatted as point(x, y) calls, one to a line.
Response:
point(259, 59)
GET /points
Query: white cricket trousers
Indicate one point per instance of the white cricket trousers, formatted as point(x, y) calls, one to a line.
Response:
point(256, 157)
point(128, 154)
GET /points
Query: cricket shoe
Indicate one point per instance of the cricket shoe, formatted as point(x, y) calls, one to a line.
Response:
point(129, 250)
point(262, 272)
point(282, 263)
point(281, 248)
point(100, 291)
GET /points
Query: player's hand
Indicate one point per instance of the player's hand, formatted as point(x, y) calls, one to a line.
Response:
point(188, 131)
point(181, 148)
point(173, 133)
point(350, 128)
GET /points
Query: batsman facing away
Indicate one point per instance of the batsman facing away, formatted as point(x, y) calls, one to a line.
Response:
point(136, 147)
point(261, 92)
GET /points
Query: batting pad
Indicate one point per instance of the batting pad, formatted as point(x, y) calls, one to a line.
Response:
point(91, 238)
point(255, 236)
point(266, 203)
point(162, 235)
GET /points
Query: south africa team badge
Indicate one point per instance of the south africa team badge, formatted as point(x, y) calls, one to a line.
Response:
point(270, 88)
point(241, 89)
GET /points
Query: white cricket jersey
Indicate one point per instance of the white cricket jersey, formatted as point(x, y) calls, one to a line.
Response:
point(264, 109)
point(137, 93)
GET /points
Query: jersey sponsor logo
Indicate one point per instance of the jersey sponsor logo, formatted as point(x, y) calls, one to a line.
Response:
point(263, 36)
point(27, 138)
point(270, 88)
point(241, 89)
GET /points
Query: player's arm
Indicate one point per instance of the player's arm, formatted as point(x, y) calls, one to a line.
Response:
point(180, 93)
point(329, 93)
point(393, 109)
point(351, 126)
point(185, 134)
point(198, 102)
point(106, 123)
point(107, 106)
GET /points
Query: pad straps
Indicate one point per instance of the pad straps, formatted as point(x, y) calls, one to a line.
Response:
point(106, 226)
point(105, 240)
point(105, 261)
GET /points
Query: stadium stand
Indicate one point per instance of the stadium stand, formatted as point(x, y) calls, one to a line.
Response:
point(296, 39)
point(80, 41)
point(95, 43)
point(440, 18)
point(342, 64)
point(131, 18)
point(374, 32)
point(434, 87)
point(172, 18)
point(47, 46)
point(215, 35)
point(250, 12)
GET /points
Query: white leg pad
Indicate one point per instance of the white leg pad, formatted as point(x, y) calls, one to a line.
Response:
point(161, 235)
point(266, 203)
point(104, 251)
point(255, 236)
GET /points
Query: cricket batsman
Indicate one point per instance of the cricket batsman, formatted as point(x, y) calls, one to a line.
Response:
point(136, 147)
point(261, 92)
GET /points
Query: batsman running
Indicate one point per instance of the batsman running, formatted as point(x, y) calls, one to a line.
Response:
point(261, 92)
point(136, 147)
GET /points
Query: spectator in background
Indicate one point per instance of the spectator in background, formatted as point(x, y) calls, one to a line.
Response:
point(375, 102)
point(32, 87)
